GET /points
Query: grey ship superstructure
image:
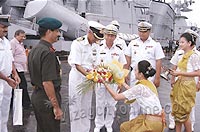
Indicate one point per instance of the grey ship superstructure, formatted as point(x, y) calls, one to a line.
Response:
point(167, 21)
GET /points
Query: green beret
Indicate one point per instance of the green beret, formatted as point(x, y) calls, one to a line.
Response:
point(49, 23)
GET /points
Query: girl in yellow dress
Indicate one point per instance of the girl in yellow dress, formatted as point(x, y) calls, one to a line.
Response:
point(183, 93)
point(145, 93)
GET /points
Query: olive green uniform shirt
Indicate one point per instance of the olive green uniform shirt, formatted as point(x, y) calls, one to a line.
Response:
point(43, 65)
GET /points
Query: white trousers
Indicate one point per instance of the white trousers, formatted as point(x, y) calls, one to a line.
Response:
point(5, 97)
point(105, 100)
point(79, 104)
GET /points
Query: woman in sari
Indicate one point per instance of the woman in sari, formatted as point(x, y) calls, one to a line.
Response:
point(145, 93)
point(183, 92)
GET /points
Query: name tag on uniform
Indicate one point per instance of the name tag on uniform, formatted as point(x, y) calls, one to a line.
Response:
point(102, 53)
point(115, 54)
point(136, 45)
point(149, 46)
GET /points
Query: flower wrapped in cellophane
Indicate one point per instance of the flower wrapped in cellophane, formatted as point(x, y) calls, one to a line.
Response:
point(110, 73)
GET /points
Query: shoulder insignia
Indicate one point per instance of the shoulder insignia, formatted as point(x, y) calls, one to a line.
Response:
point(119, 47)
point(80, 38)
point(52, 49)
point(101, 45)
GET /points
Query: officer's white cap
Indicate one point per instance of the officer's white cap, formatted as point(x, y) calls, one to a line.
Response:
point(144, 26)
point(96, 25)
point(96, 28)
point(111, 29)
point(195, 34)
point(4, 20)
point(115, 23)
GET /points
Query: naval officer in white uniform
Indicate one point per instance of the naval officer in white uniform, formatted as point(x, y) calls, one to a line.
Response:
point(82, 58)
point(6, 69)
point(143, 48)
point(109, 51)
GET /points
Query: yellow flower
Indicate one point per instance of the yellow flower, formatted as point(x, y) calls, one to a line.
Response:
point(118, 72)
point(93, 76)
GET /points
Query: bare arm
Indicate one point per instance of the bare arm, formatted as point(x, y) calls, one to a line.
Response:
point(186, 74)
point(81, 69)
point(127, 65)
point(3, 77)
point(15, 74)
point(115, 95)
point(174, 67)
point(158, 71)
point(9, 80)
point(49, 89)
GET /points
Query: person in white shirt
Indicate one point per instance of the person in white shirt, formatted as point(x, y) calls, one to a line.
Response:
point(7, 69)
point(108, 52)
point(145, 93)
point(143, 48)
point(82, 58)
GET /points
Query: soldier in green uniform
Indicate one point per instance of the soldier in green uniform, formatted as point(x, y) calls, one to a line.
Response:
point(45, 77)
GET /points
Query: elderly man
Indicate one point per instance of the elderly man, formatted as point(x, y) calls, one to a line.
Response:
point(6, 69)
point(20, 62)
point(109, 51)
point(44, 72)
point(82, 58)
point(143, 48)
point(174, 60)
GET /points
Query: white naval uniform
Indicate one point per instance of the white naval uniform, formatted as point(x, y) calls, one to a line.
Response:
point(103, 98)
point(84, 54)
point(138, 50)
point(174, 60)
point(6, 59)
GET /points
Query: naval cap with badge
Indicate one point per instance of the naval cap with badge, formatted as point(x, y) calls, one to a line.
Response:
point(4, 20)
point(144, 26)
point(111, 29)
point(49, 23)
point(97, 29)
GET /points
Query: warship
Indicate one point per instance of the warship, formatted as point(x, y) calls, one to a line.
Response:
point(166, 18)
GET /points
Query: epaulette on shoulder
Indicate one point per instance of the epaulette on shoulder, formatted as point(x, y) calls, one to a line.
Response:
point(80, 38)
point(101, 45)
point(119, 47)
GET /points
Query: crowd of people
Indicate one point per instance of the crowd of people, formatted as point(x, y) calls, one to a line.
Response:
point(101, 45)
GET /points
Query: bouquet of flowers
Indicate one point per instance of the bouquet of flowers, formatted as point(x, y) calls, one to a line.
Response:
point(110, 73)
